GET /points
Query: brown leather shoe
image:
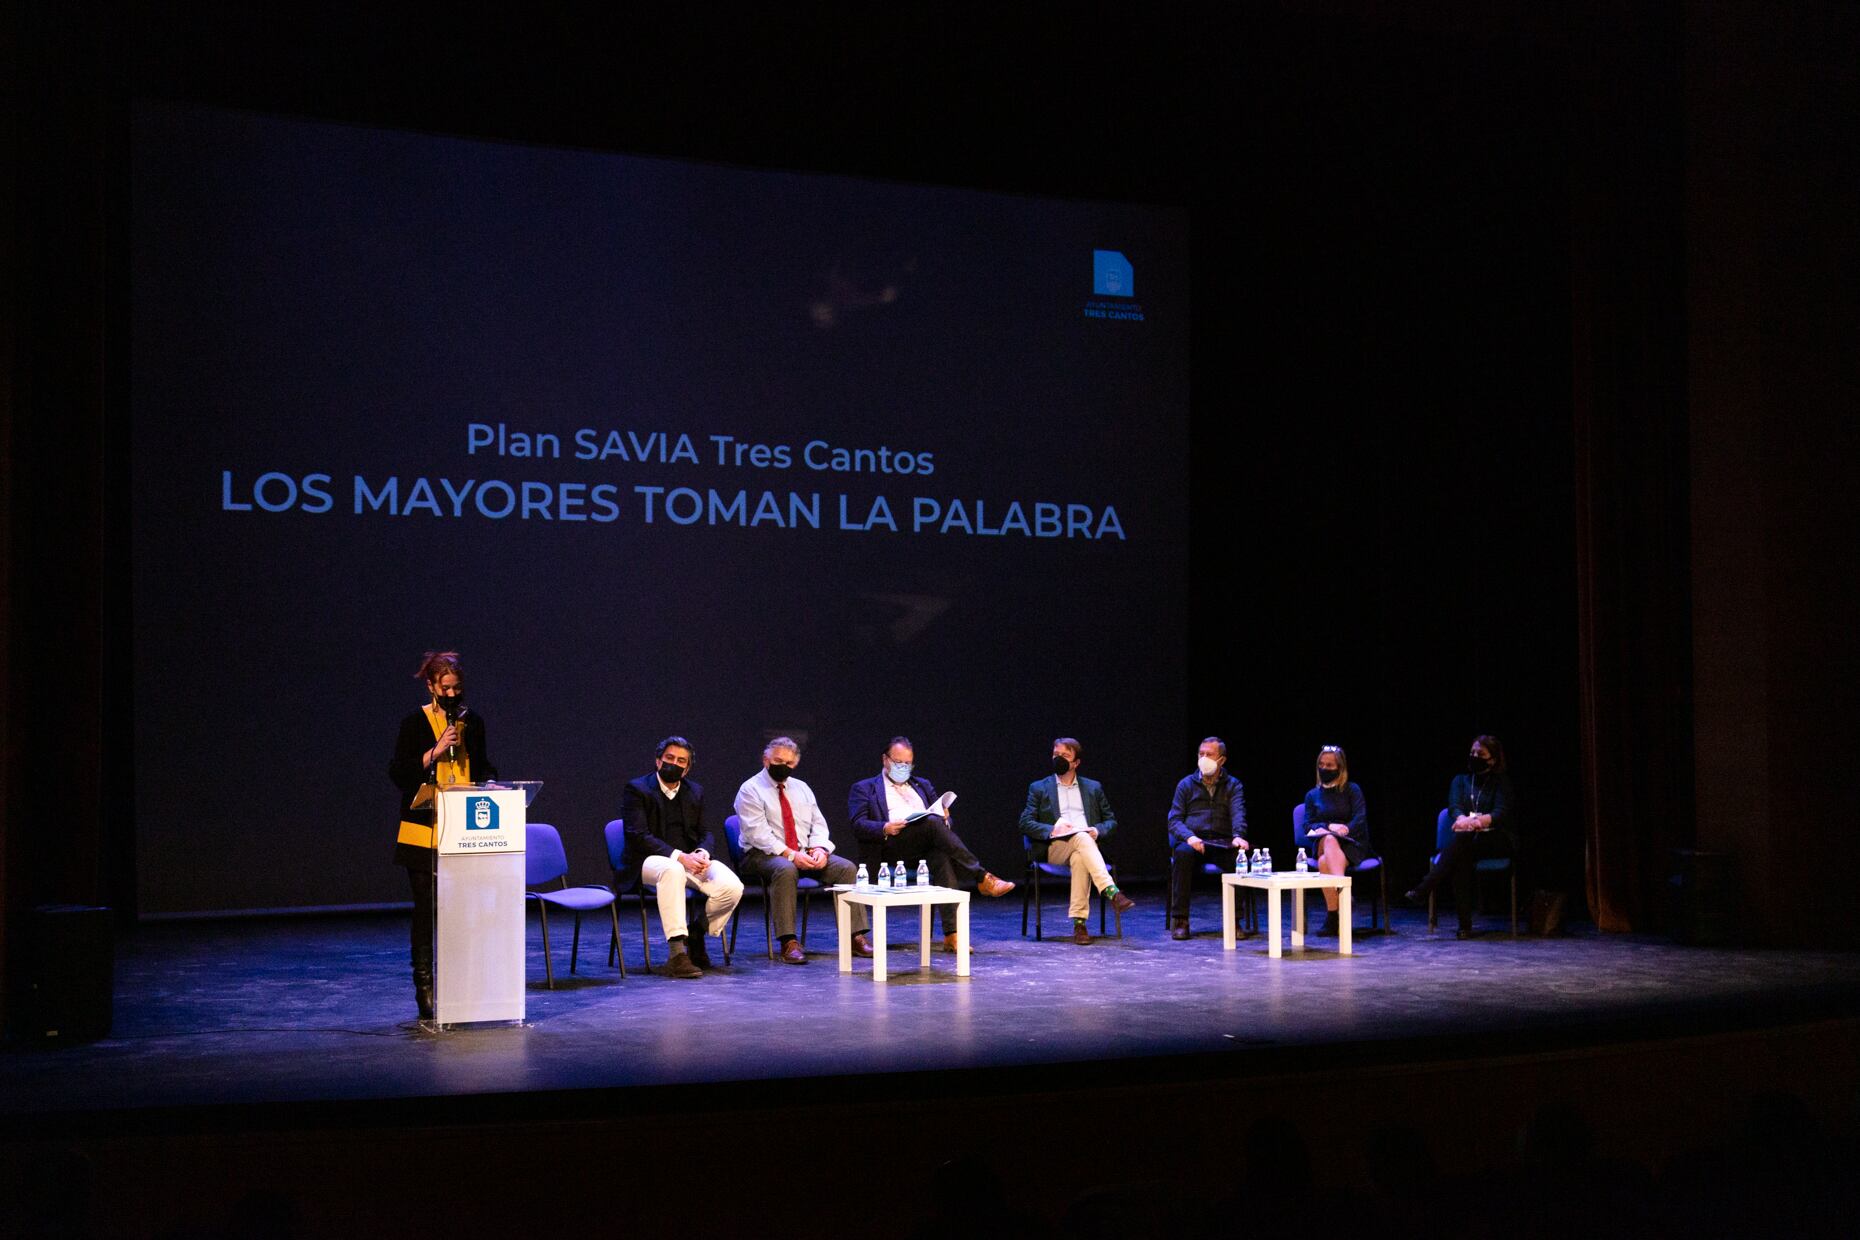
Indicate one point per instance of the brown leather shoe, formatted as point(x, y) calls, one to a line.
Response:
point(992, 886)
point(949, 942)
point(791, 953)
point(1179, 931)
point(680, 965)
point(862, 944)
point(1122, 903)
point(1080, 934)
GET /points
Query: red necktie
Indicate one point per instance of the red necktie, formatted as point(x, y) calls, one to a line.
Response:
point(787, 820)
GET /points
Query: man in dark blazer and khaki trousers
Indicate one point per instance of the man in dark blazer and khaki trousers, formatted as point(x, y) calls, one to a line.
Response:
point(1077, 809)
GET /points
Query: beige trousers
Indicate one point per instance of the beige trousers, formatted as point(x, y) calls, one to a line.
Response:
point(722, 888)
point(1081, 853)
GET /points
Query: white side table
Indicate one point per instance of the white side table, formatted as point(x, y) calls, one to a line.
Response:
point(882, 899)
point(1272, 885)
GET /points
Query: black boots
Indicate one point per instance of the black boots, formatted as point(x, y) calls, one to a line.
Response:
point(423, 990)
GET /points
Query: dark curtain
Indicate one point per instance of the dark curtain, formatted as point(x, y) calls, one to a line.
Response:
point(1628, 397)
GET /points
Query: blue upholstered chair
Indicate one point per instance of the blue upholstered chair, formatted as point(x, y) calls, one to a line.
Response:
point(1371, 864)
point(544, 863)
point(1038, 866)
point(805, 890)
point(1443, 835)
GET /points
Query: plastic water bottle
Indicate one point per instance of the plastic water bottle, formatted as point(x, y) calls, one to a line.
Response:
point(1242, 865)
point(1303, 863)
point(923, 873)
point(1267, 867)
point(884, 877)
point(1254, 862)
point(897, 876)
point(864, 881)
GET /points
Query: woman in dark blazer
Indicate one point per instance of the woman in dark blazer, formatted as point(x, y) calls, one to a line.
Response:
point(1480, 806)
point(440, 743)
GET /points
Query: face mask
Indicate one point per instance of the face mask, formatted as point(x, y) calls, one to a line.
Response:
point(1061, 764)
point(671, 774)
point(1478, 766)
point(779, 771)
point(1328, 777)
point(899, 772)
point(1208, 766)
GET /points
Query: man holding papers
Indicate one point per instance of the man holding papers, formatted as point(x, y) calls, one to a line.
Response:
point(1067, 814)
point(897, 816)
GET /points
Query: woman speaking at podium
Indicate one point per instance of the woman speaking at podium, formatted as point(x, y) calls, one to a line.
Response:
point(440, 743)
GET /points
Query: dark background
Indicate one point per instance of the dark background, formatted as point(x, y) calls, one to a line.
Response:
point(1535, 323)
point(322, 298)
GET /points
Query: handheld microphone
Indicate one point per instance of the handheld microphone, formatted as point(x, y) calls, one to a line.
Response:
point(458, 722)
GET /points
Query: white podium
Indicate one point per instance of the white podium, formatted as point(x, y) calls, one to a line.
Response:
point(478, 958)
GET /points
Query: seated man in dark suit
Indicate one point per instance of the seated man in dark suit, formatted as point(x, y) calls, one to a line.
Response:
point(670, 840)
point(881, 809)
point(1066, 814)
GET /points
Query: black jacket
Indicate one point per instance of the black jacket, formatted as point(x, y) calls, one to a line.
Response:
point(656, 826)
point(404, 768)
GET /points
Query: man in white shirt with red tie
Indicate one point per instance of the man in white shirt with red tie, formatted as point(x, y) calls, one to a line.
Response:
point(784, 838)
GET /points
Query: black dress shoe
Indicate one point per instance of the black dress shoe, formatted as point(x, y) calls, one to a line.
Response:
point(1414, 895)
point(698, 951)
point(423, 993)
point(1179, 931)
point(1329, 929)
point(1464, 932)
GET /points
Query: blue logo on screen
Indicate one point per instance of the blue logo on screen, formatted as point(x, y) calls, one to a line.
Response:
point(1111, 275)
point(480, 814)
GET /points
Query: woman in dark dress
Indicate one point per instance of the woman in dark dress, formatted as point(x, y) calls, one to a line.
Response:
point(1336, 824)
point(440, 743)
point(1480, 805)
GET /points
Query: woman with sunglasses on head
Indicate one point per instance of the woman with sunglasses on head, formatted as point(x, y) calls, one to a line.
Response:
point(1479, 804)
point(1336, 824)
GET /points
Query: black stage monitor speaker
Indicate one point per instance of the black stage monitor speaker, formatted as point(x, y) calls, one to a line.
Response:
point(67, 982)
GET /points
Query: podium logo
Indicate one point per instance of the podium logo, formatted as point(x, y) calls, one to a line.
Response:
point(480, 814)
point(1111, 275)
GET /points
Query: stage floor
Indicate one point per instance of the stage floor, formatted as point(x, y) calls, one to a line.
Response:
point(290, 1011)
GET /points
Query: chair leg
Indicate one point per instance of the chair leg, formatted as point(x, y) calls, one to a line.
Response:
point(1026, 890)
point(645, 935)
point(807, 902)
point(1039, 905)
point(613, 911)
point(1432, 924)
point(768, 923)
point(574, 951)
point(542, 911)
